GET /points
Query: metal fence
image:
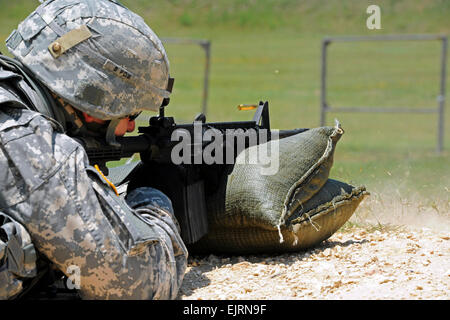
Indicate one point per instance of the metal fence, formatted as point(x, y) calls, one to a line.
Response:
point(325, 107)
point(206, 46)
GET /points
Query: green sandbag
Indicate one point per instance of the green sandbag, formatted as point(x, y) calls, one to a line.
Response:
point(310, 224)
point(252, 212)
point(248, 198)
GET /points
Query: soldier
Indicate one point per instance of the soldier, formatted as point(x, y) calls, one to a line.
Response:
point(82, 68)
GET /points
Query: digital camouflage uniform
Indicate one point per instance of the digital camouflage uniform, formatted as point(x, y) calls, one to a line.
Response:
point(124, 249)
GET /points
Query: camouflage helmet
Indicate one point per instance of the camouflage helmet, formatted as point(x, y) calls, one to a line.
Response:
point(96, 54)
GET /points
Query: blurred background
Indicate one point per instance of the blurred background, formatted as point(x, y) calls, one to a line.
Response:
point(271, 50)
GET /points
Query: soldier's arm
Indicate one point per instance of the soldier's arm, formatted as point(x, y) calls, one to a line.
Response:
point(77, 223)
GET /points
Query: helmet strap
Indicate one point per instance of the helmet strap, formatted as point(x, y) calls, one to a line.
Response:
point(70, 115)
point(111, 133)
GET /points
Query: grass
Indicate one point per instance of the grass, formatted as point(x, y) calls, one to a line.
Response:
point(270, 50)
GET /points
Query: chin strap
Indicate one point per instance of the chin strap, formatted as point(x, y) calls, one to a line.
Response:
point(110, 133)
point(71, 115)
point(80, 128)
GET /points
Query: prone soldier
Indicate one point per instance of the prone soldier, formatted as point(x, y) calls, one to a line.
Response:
point(82, 68)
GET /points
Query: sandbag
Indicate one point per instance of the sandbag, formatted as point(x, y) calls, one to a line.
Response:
point(247, 198)
point(252, 212)
point(310, 224)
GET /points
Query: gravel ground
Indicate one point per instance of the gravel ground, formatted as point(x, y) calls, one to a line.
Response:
point(392, 262)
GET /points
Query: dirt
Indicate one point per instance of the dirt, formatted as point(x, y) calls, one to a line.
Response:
point(371, 262)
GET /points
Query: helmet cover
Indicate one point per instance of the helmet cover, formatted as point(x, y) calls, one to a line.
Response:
point(95, 54)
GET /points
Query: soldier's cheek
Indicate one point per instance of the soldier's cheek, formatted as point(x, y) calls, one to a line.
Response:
point(131, 126)
point(121, 128)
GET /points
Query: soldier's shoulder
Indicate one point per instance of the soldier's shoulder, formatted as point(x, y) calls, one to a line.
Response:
point(13, 109)
point(29, 130)
point(8, 96)
point(14, 116)
point(11, 117)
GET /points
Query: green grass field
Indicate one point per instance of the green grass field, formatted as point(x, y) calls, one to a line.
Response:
point(270, 50)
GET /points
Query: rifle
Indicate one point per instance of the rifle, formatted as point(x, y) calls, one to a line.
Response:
point(190, 183)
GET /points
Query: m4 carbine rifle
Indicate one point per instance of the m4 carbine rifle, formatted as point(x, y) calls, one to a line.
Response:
point(190, 183)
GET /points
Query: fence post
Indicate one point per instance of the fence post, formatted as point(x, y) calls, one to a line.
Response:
point(325, 107)
point(441, 98)
point(323, 77)
point(207, 47)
